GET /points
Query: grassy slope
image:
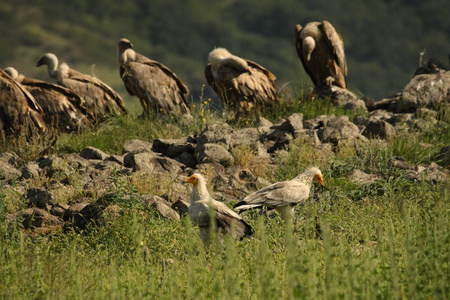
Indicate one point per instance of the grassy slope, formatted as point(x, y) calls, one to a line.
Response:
point(389, 239)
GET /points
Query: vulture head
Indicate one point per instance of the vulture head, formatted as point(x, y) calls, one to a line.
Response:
point(51, 61)
point(11, 72)
point(221, 56)
point(125, 51)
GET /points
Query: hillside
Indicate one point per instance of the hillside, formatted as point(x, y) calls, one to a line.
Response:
point(382, 39)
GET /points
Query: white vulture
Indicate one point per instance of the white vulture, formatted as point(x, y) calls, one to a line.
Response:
point(63, 109)
point(99, 97)
point(283, 196)
point(321, 49)
point(18, 108)
point(240, 84)
point(157, 87)
point(203, 205)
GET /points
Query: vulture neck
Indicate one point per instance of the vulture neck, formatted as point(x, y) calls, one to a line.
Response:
point(200, 192)
point(127, 55)
point(52, 65)
point(308, 46)
point(306, 177)
point(62, 72)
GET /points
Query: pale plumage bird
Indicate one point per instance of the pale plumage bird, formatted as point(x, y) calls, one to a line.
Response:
point(321, 49)
point(240, 84)
point(99, 97)
point(157, 87)
point(18, 108)
point(202, 205)
point(63, 109)
point(283, 196)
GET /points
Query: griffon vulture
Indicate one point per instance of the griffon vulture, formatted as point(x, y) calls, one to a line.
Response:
point(240, 83)
point(321, 49)
point(63, 109)
point(203, 205)
point(283, 196)
point(99, 98)
point(18, 108)
point(156, 86)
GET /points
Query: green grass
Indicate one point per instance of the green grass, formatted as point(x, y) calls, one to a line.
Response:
point(386, 240)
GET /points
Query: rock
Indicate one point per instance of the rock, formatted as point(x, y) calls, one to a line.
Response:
point(281, 139)
point(181, 207)
point(425, 113)
point(338, 129)
point(359, 177)
point(263, 122)
point(425, 90)
point(8, 172)
point(444, 155)
point(58, 209)
point(317, 122)
point(115, 158)
point(73, 210)
point(39, 197)
point(293, 123)
point(161, 206)
point(310, 134)
point(151, 162)
point(361, 121)
point(401, 163)
point(172, 148)
point(207, 153)
point(245, 136)
point(187, 159)
point(30, 170)
point(93, 153)
point(379, 129)
point(380, 114)
point(217, 133)
point(136, 146)
point(398, 120)
point(347, 99)
point(92, 211)
point(36, 217)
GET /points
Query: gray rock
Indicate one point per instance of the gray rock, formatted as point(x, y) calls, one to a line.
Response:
point(152, 162)
point(208, 153)
point(245, 136)
point(379, 129)
point(317, 122)
point(401, 163)
point(59, 209)
point(136, 146)
point(293, 123)
point(162, 206)
point(310, 134)
point(8, 172)
point(93, 153)
point(347, 99)
point(36, 217)
point(181, 207)
point(380, 114)
point(338, 129)
point(39, 197)
point(30, 170)
point(73, 210)
point(172, 147)
point(361, 121)
point(401, 120)
point(115, 158)
point(187, 159)
point(263, 122)
point(425, 113)
point(359, 177)
point(217, 133)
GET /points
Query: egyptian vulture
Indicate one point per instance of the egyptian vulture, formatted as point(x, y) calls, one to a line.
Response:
point(240, 84)
point(283, 196)
point(157, 87)
point(202, 204)
point(321, 49)
point(18, 108)
point(63, 109)
point(100, 98)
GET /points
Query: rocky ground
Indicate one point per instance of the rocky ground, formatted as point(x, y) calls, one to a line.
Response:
point(78, 188)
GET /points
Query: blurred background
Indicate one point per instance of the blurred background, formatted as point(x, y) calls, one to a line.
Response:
point(382, 38)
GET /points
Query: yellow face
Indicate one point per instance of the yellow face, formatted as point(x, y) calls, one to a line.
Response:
point(319, 179)
point(192, 179)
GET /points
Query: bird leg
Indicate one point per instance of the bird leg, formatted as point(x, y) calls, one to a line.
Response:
point(329, 81)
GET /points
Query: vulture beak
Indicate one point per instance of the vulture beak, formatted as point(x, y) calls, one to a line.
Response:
point(40, 62)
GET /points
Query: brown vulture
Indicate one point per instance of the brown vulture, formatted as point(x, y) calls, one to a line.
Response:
point(63, 109)
point(321, 49)
point(99, 98)
point(157, 87)
point(240, 84)
point(18, 108)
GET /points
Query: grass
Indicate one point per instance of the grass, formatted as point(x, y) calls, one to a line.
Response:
point(386, 240)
